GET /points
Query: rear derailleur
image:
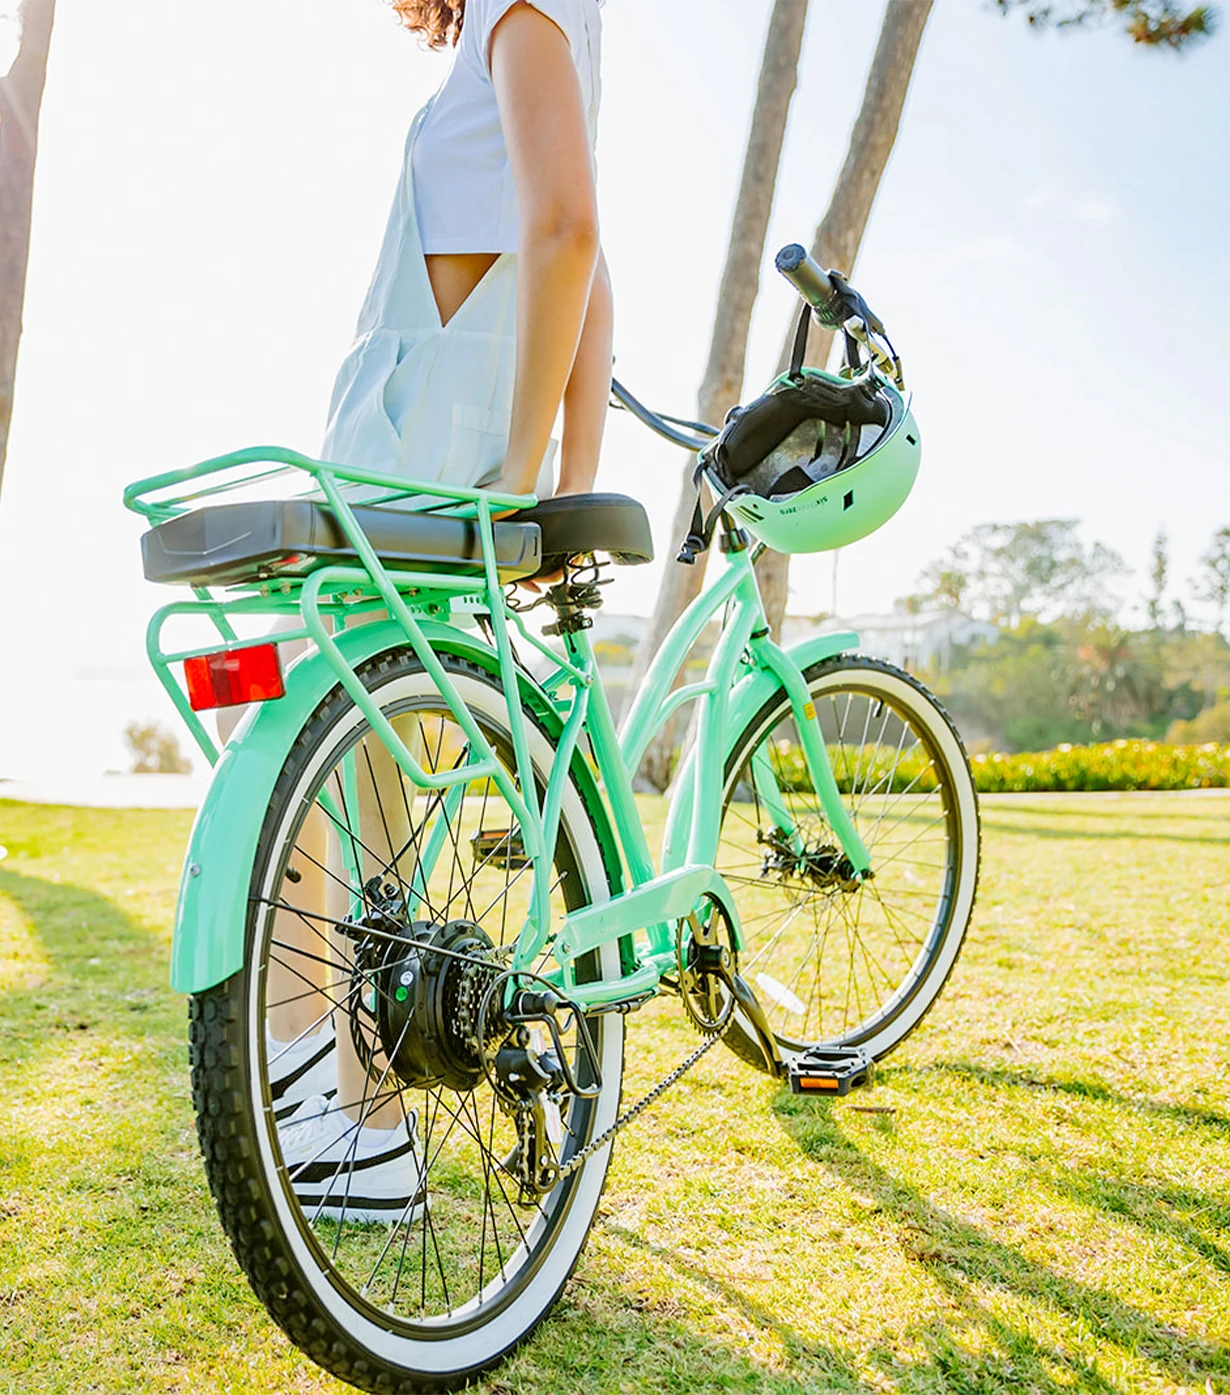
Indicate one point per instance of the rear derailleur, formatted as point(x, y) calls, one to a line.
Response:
point(533, 1080)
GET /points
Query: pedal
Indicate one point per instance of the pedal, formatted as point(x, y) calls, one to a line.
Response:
point(501, 848)
point(830, 1070)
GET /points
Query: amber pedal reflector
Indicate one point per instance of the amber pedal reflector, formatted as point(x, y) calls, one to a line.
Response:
point(818, 1082)
point(233, 677)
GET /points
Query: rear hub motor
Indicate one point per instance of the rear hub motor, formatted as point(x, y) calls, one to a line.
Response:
point(429, 985)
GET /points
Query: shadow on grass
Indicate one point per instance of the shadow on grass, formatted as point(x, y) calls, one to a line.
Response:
point(1163, 1209)
point(598, 1330)
point(823, 1363)
point(1076, 835)
point(1001, 1076)
point(105, 972)
point(1056, 808)
point(962, 1258)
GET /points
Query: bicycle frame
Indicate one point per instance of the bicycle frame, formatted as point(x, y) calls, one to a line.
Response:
point(419, 606)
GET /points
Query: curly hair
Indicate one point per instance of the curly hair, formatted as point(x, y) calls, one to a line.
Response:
point(439, 21)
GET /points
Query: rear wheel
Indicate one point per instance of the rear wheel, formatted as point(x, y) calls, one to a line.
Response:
point(834, 960)
point(381, 1224)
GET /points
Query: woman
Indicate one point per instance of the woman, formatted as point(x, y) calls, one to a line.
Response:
point(490, 306)
point(490, 303)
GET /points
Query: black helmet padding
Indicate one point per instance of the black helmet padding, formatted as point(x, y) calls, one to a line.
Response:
point(753, 432)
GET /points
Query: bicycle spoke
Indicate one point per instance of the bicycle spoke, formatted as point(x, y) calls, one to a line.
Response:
point(462, 1230)
point(839, 952)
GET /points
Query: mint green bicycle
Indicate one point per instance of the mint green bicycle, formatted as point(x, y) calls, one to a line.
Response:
point(419, 908)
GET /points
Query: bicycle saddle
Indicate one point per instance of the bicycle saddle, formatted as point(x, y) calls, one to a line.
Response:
point(235, 544)
point(573, 523)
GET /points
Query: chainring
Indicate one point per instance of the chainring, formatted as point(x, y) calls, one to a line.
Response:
point(708, 961)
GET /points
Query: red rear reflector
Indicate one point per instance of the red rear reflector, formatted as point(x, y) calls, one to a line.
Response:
point(233, 677)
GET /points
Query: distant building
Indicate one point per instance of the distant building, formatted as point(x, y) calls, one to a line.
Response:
point(920, 640)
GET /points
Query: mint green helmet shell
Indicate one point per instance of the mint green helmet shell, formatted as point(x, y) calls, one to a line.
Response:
point(847, 505)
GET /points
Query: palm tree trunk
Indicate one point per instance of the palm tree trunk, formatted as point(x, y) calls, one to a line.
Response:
point(21, 95)
point(723, 381)
point(840, 233)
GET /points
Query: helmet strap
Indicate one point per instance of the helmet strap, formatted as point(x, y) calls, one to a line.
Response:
point(799, 352)
point(700, 530)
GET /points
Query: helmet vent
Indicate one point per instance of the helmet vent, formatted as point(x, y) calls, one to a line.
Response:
point(848, 501)
point(913, 440)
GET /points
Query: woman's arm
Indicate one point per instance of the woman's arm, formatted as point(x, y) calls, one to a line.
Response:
point(547, 137)
point(589, 390)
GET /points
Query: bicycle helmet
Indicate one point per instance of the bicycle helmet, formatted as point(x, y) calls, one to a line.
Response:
point(818, 461)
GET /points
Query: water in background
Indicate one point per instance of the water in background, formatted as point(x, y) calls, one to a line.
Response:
point(72, 724)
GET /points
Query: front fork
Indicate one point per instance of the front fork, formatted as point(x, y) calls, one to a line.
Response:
point(815, 752)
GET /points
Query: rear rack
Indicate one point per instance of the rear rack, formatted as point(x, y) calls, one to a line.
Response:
point(286, 463)
point(325, 598)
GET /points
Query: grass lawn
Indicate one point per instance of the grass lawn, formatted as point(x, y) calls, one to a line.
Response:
point(1045, 1206)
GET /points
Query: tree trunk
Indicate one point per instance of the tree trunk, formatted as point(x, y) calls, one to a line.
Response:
point(840, 233)
point(723, 380)
point(21, 95)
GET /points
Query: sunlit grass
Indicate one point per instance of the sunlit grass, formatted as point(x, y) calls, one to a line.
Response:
point(1045, 1208)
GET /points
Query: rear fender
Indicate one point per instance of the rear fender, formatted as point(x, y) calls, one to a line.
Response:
point(748, 697)
point(211, 915)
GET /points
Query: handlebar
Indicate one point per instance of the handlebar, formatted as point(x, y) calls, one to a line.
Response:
point(692, 435)
point(806, 275)
point(839, 307)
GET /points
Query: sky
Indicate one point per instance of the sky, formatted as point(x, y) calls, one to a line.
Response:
point(1047, 250)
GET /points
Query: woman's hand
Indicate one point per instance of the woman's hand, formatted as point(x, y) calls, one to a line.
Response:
point(545, 131)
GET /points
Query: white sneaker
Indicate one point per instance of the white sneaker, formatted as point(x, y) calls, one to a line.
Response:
point(341, 1171)
point(301, 1069)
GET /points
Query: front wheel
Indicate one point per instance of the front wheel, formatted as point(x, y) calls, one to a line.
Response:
point(833, 959)
point(367, 1174)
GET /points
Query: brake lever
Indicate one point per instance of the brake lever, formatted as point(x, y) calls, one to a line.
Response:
point(878, 348)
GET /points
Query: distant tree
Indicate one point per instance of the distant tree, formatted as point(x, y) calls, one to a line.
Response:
point(946, 581)
point(21, 96)
point(155, 750)
point(1154, 23)
point(1007, 571)
point(1213, 724)
point(1158, 571)
point(1198, 661)
point(1212, 581)
point(1111, 686)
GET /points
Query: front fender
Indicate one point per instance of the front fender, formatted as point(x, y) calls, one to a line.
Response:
point(211, 915)
point(747, 698)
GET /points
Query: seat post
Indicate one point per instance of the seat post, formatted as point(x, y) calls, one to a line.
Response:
point(578, 592)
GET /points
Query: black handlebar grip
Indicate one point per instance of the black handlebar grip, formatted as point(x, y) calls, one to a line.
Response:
point(806, 276)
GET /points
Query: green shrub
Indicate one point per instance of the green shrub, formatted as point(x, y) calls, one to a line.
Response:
point(1213, 724)
point(1114, 765)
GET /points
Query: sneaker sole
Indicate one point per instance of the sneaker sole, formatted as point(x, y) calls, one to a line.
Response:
point(363, 1210)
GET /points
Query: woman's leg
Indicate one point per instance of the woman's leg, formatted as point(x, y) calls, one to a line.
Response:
point(386, 822)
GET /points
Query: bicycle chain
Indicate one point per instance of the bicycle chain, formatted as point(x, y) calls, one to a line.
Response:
point(578, 1160)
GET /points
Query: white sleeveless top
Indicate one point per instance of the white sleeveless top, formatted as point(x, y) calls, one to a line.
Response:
point(413, 397)
point(466, 198)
